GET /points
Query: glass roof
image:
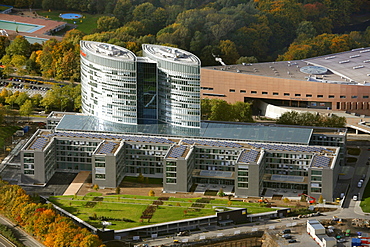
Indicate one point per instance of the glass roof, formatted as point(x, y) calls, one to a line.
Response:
point(233, 131)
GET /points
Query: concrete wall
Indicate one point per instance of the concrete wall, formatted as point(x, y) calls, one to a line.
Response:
point(181, 184)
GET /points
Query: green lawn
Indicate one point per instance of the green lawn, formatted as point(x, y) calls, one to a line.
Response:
point(6, 132)
point(365, 203)
point(87, 25)
point(130, 207)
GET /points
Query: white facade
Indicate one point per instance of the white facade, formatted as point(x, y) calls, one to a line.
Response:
point(108, 79)
point(119, 87)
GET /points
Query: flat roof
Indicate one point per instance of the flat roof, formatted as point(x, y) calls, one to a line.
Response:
point(108, 50)
point(212, 130)
point(350, 67)
point(172, 54)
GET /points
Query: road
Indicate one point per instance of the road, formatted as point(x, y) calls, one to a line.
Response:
point(20, 234)
point(273, 226)
point(360, 169)
point(5, 243)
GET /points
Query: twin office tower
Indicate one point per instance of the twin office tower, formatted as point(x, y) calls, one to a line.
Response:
point(163, 86)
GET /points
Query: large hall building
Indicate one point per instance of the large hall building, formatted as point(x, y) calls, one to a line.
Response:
point(112, 139)
point(340, 82)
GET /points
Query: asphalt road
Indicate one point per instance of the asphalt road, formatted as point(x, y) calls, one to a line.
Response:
point(5, 243)
point(360, 169)
point(20, 234)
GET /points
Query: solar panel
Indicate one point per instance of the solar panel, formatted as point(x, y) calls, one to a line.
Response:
point(248, 156)
point(321, 161)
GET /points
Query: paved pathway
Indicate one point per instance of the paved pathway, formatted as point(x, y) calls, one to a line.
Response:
point(77, 183)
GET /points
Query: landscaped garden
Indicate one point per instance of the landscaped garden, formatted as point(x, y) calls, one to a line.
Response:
point(365, 203)
point(126, 211)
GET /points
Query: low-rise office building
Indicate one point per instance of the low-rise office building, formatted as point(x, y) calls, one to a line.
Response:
point(245, 159)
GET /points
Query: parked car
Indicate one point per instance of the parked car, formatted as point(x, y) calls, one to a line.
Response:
point(355, 197)
point(292, 241)
point(285, 231)
point(363, 176)
point(184, 233)
point(341, 195)
point(287, 236)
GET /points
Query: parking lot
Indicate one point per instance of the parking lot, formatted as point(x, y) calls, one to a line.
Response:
point(30, 87)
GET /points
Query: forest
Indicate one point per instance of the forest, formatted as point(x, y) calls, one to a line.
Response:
point(235, 30)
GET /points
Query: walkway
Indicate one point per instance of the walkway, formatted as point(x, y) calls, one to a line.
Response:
point(77, 183)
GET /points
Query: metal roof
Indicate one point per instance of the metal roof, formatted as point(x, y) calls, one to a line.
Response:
point(349, 67)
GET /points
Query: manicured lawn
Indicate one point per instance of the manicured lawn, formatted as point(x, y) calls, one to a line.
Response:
point(125, 208)
point(87, 25)
point(6, 132)
point(365, 203)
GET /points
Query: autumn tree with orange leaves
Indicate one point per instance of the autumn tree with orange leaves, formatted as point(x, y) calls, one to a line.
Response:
point(42, 221)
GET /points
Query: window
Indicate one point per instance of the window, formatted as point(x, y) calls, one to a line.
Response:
point(308, 95)
point(275, 93)
point(171, 180)
point(286, 94)
point(320, 96)
point(354, 97)
point(264, 92)
point(313, 172)
point(342, 97)
point(253, 92)
point(100, 176)
point(331, 96)
point(297, 95)
point(232, 90)
point(243, 91)
point(365, 96)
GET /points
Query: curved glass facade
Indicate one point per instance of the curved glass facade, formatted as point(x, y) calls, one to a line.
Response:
point(108, 80)
point(117, 86)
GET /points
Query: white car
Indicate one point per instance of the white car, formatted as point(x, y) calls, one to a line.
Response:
point(359, 184)
point(355, 197)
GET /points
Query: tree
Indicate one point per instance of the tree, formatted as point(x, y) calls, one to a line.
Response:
point(151, 193)
point(106, 23)
point(4, 43)
point(118, 190)
point(242, 112)
point(219, 107)
point(140, 178)
point(221, 193)
point(229, 53)
point(96, 187)
point(19, 46)
point(206, 108)
point(123, 10)
point(26, 108)
point(246, 60)
point(321, 199)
